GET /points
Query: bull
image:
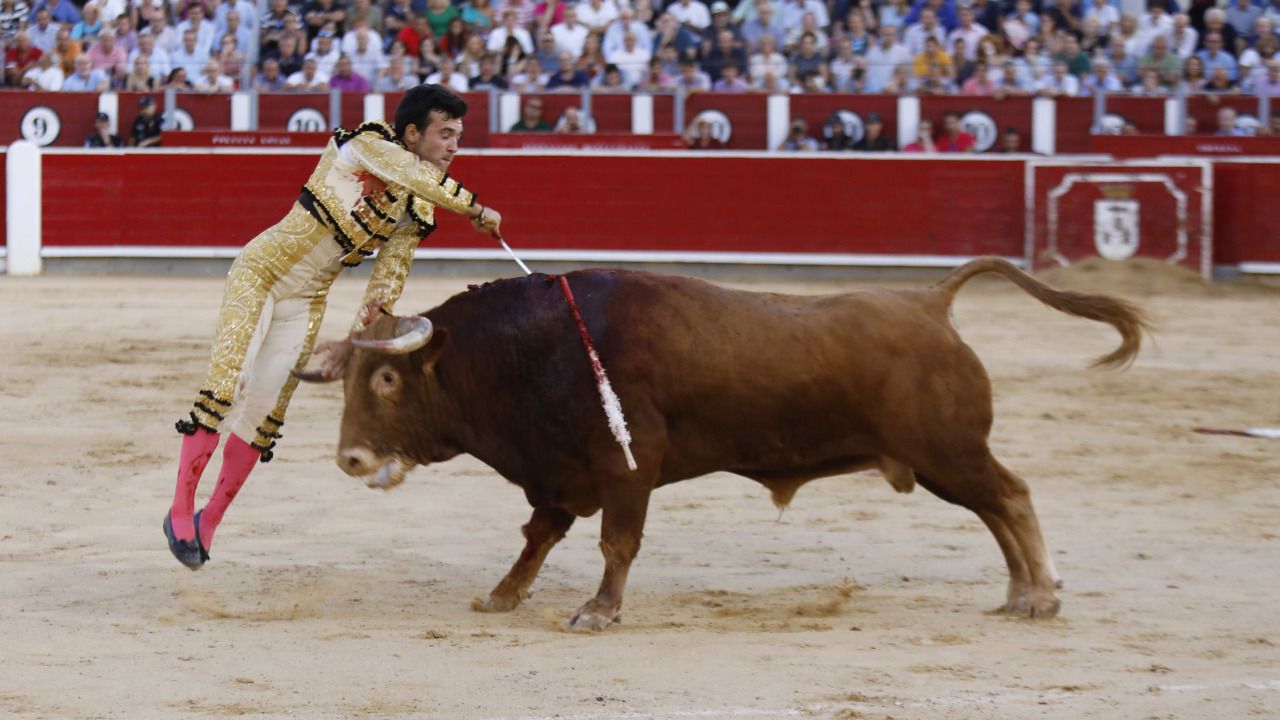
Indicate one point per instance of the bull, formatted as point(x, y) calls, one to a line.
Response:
point(780, 389)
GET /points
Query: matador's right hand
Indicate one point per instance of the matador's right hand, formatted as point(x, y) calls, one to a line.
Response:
point(487, 221)
point(333, 356)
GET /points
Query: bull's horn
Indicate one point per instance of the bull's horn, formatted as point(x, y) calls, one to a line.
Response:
point(315, 376)
point(411, 334)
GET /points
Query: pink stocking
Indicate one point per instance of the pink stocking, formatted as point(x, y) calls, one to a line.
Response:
point(238, 459)
point(197, 448)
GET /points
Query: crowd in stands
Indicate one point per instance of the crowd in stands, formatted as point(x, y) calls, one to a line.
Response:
point(967, 47)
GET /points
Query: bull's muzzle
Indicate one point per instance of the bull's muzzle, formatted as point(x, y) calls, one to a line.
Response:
point(377, 472)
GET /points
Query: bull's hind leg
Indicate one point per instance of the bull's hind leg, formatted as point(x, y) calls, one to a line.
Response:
point(1003, 502)
point(621, 526)
point(546, 528)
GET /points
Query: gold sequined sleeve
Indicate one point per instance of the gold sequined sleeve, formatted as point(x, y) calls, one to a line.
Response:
point(390, 270)
point(396, 166)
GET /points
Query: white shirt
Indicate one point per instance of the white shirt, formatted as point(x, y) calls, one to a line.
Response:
point(632, 63)
point(204, 34)
point(881, 62)
point(1185, 44)
point(1069, 85)
point(915, 36)
point(498, 39)
point(1108, 17)
point(299, 79)
point(570, 39)
point(456, 80)
point(369, 63)
point(613, 36)
point(792, 15)
point(695, 13)
point(970, 35)
point(327, 62)
point(50, 79)
point(159, 60)
point(599, 17)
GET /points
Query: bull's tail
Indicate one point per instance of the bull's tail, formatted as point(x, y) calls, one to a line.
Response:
point(1126, 318)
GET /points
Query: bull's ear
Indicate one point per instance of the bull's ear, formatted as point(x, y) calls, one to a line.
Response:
point(434, 349)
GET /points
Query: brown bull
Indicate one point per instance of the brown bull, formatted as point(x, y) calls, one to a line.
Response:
point(781, 389)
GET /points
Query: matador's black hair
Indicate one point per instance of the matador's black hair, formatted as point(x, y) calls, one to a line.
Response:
point(420, 100)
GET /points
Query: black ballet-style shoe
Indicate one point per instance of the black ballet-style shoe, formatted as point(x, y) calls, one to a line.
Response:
point(204, 554)
point(188, 552)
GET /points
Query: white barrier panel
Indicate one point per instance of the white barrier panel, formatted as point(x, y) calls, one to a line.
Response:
point(23, 226)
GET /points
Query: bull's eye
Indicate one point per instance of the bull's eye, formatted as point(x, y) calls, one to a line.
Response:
point(385, 382)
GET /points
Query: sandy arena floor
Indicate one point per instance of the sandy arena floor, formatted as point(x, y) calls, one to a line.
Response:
point(329, 600)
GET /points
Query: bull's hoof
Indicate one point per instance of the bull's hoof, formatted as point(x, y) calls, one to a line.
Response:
point(188, 552)
point(495, 604)
point(1045, 609)
point(592, 617)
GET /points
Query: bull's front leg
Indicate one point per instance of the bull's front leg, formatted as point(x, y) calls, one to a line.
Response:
point(541, 533)
point(621, 528)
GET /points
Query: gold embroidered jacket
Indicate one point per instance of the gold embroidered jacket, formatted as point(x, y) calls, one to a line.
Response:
point(374, 194)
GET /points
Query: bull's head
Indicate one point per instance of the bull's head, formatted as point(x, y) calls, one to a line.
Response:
point(390, 388)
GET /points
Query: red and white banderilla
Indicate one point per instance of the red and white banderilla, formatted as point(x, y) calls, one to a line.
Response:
point(608, 398)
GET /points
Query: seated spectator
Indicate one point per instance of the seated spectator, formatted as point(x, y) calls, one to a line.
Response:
point(883, 57)
point(924, 138)
point(177, 80)
point(157, 59)
point(807, 60)
point(1101, 79)
point(935, 82)
point(44, 32)
point(488, 78)
point(19, 58)
point(509, 28)
point(611, 82)
point(1166, 64)
point(567, 76)
point(1253, 61)
point(873, 138)
point(980, 83)
point(730, 80)
point(962, 67)
point(269, 79)
point(933, 55)
point(46, 75)
point(447, 74)
point(546, 51)
point(809, 26)
point(368, 15)
point(102, 137)
point(1022, 24)
point(242, 36)
point(692, 14)
point(632, 59)
point(656, 79)
point(345, 79)
point(126, 36)
point(308, 78)
point(1060, 83)
point(468, 61)
point(902, 82)
point(146, 127)
point(531, 119)
point(699, 135)
point(969, 31)
point(893, 13)
point(836, 137)
point(569, 35)
point(190, 57)
point(798, 139)
point(89, 26)
point(62, 12)
point(427, 59)
point(1220, 82)
point(1012, 83)
point(1092, 41)
point(1193, 77)
point(570, 123)
point(439, 13)
point(1010, 141)
point(1269, 83)
point(691, 79)
point(325, 51)
point(288, 55)
point(478, 15)
point(395, 77)
point(231, 60)
point(141, 78)
point(671, 32)
point(928, 27)
point(1185, 39)
point(320, 14)
point(85, 78)
point(1242, 14)
point(767, 60)
point(626, 23)
point(954, 138)
point(212, 79)
point(529, 78)
point(1214, 55)
point(1228, 124)
point(1123, 65)
point(1149, 85)
point(1077, 61)
point(591, 61)
point(1104, 14)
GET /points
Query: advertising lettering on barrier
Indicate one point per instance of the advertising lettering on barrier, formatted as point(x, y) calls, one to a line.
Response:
point(1115, 223)
point(307, 120)
point(983, 129)
point(852, 124)
point(721, 125)
point(41, 125)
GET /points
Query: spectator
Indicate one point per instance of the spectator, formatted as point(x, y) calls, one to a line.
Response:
point(44, 32)
point(1193, 77)
point(85, 78)
point(1215, 21)
point(671, 32)
point(19, 58)
point(1013, 83)
point(592, 62)
point(808, 25)
point(365, 50)
point(62, 12)
point(472, 53)
point(1124, 65)
point(568, 76)
point(980, 82)
point(1106, 15)
point(141, 78)
point(190, 57)
point(478, 15)
point(656, 79)
point(962, 67)
point(1022, 24)
point(691, 79)
point(525, 11)
point(530, 78)
point(289, 55)
point(842, 65)
point(901, 82)
point(415, 33)
point(89, 26)
point(426, 60)
point(126, 36)
point(509, 29)
point(1149, 85)
point(928, 27)
point(699, 135)
point(1214, 56)
point(873, 138)
point(273, 24)
point(808, 60)
point(1228, 124)
point(1220, 82)
point(883, 57)
point(1062, 14)
point(726, 51)
point(177, 80)
point(146, 127)
point(317, 15)
point(531, 119)
point(1241, 15)
point(933, 55)
point(1269, 84)
point(969, 31)
point(438, 14)
point(455, 39)
point(398, 15)
point(935, 82)
point(247, 11)
point(721, 20)
point(1184, 39)
point(924, 138)
point(836, 137)
point(764, 24)
point(1010, 141)
point(1092, 41)
point(859, 38)
point(1127, 35)
point(570, 123)
point(308, 78)
point(167, 38)
point(269, 79)
point(1060, 83)
point(793, 12)
point(212, 79)
point(345, 79)
point(365, 14)
point(1101, 79)
point(632, 59)
point(447, 74)
point(1166, 65)
point(325, 51)
point(731, 81)
point(243, 36)
point(570, 35)
point(692, 14)
point(1034, 65)
point(626, 22)
point(598, 14)
point(1154, 22)
point(102, 137)
point(395, 77)
point(198, 24)
point(546, 50)
point(46, 75)
point(109, 57)
point(893, 13)
point(1078, 63)
point(798, 139)
point(612, 82)
point(1253, 60)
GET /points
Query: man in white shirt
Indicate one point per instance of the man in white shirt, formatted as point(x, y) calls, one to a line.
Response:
point(625, 23)
point(203, 29)
point(1185, 39)
point(308, 78)
point(969, 31)
point(157, 59)
point(1155, 21)
point(509, 28)
point(927, 27)
point(768, 61)
point(883, 57)
point(1059, 83)
point(46, 74)
point(44, 33)
point(793, 14)
point(632, 59)
point(692, 13)
point(365, 50)
point(1107, 14)
point(326, 52)
point(190, 57)
point(449, 75)
point(570, 35)
point(597, 14)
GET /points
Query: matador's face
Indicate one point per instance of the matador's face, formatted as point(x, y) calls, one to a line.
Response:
point(438, 143)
